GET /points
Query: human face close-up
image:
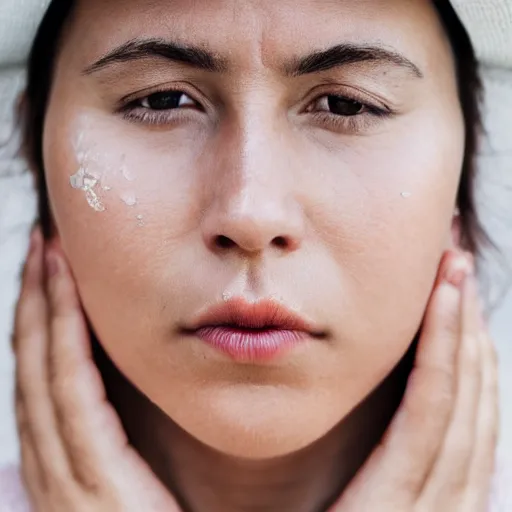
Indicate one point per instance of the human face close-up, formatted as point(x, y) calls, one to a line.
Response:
point(254, 155)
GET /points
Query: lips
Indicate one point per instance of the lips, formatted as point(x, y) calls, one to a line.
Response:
point(252, 332)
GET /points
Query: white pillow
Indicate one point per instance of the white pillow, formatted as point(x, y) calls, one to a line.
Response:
point(489, 23)
point(18, 23)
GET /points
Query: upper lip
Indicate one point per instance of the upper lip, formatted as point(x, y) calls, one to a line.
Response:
point(264, 314)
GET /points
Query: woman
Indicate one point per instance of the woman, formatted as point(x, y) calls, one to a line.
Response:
point(261, 215)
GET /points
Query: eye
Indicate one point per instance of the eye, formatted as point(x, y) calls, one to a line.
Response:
point(347, 115)
point(167, 100)
point(162, 108)
point(338, 105)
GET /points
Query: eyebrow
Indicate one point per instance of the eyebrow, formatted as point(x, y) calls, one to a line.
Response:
point(200, 58)
point(347, 53)
point(138, 49)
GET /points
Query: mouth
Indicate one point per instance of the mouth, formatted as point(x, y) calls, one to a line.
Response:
point(252, 332)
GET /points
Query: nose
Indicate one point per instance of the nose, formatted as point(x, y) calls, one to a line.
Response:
point(252, 223)
point(254, 206)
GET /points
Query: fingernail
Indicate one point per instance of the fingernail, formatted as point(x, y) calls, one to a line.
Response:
point(458, 269)
point(52, 263)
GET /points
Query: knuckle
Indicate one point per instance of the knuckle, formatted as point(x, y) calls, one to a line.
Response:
point(60, 374)
point(58, 480)
point(65, 407)
point(471, 353)
point(67, 425)
point(62, 393)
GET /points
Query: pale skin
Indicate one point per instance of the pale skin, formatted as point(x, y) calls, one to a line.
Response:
point(342, 213)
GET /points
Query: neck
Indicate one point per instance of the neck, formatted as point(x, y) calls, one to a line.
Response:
point(204, 480)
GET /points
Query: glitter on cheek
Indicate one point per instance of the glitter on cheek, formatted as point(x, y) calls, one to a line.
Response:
point(406, 195)
point(85, 179)
point(86, 182)
point(128, 176)
point(100, 172)
point(129, 198)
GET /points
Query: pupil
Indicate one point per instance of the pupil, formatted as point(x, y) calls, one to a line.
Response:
point(164, 100)
point(344, 107)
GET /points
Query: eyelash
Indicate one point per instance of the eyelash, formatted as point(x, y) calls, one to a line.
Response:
point(352, 124)
point(133, 111)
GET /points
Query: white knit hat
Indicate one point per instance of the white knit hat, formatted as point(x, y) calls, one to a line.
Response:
point(489, 23)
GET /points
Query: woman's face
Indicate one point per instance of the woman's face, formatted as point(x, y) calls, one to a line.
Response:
point(305, 152)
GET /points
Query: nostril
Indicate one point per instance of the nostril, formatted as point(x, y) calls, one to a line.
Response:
point(280, 242)
point(223, 242)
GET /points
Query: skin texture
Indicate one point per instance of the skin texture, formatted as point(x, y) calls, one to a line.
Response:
point(437, 454)
point(311, 202)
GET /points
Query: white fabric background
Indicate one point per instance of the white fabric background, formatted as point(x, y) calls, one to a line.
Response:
point(490, 22)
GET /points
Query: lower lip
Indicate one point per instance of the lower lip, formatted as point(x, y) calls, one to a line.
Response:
point(251, 345)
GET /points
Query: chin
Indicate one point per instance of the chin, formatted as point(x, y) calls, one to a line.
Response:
point(258, 423)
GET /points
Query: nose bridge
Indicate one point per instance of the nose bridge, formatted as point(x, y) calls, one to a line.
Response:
point(253, 204)
point(258, 163)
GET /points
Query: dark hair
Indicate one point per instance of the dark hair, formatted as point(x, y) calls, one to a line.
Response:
point(40, 74)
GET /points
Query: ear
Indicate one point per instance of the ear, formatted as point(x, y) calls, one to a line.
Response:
point(456, 229)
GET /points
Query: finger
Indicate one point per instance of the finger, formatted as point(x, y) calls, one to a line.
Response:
point(398, 468)
point(87, 422)
point(450, 473)
point(31, 281)
point(487, 429)
point(30, 466)
point(24, 315)
point(31, 334)
point(95, 439)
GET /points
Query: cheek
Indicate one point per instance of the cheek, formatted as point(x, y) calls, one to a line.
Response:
point(386, 218)
point(120, 207)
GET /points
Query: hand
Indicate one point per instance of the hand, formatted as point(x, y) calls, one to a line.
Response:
point(75, 454)
point(438, 452)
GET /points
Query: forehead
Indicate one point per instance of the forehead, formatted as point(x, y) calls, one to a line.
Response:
point(264, 31)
